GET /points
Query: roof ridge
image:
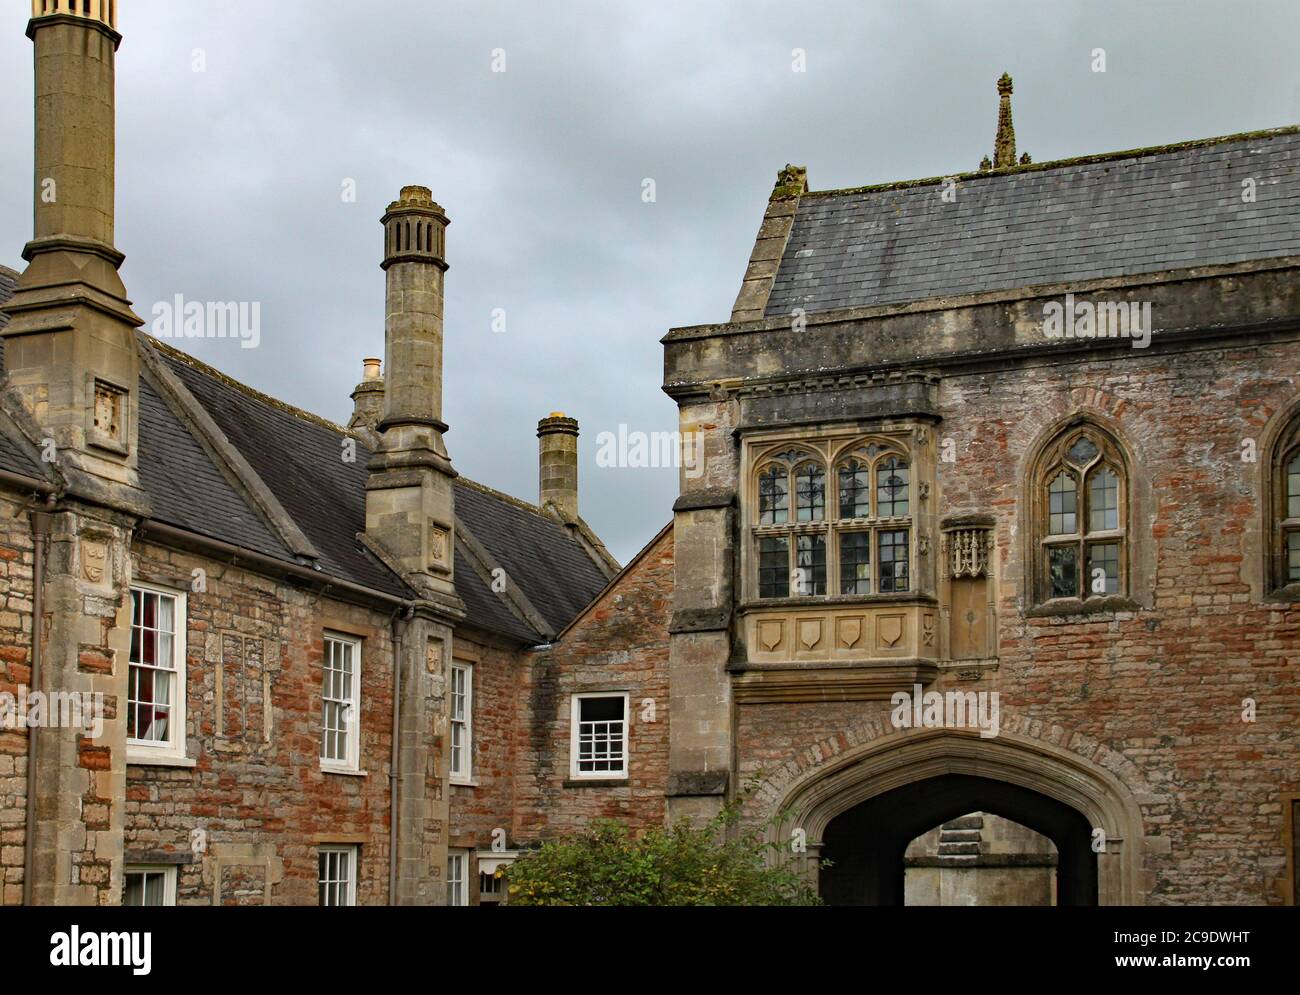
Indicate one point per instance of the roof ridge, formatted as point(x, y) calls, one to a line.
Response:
point(1083, 160)
point(206, 368)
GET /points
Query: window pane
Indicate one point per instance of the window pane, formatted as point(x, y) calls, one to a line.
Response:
point(774, 567)
point(855, 490)
point(1063, 570)
point(1103, 556)
point(600, 709)
point(810, 492)
point(334, 877)
point(773, 497)
point(154, 888)
point(460, 707)
point(1062, 506)
point(1293, 556)
point(1083, 452)
point(152, 664)
point(810, 564)
point(893, 561)
point(891, 487)
point(600, 735)
point(1293, 488)
point(855, 563)
point(339, 714)
point(133, 890)
point(1103, 500)
point(456, 879)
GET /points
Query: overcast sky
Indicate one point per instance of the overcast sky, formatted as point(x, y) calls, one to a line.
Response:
point(230, 179)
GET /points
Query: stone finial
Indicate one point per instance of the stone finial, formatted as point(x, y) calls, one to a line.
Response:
point(790, 182)
point(986, 164)
point(1004, 147)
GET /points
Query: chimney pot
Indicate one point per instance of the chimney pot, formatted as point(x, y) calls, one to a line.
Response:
point(371, 367)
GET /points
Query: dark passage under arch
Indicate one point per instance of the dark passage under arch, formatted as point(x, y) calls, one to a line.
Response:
point(866, 843)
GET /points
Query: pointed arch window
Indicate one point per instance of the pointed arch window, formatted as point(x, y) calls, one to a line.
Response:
point(1284, 539)
point(1082, 494)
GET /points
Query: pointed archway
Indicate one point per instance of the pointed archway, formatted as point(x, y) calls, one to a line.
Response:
point(1037, 782)
point(865, 844)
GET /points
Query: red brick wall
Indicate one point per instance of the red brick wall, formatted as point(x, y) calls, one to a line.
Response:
point(1163, 688)
point(478, 810)
point(620, 644)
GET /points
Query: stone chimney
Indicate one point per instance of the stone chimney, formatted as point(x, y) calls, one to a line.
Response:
point(70, 344)
point(70, 350)
point(557, 460)
point(409, 511)
point(410, 524)
point(368, 397)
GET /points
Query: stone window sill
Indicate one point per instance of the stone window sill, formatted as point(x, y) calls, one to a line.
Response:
point(134, 758)
point(1076, 606)
point(463, 782)
point(1285, 595)
point(598, 782)
point(346, 771)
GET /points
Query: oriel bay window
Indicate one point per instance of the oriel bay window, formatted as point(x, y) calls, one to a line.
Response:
point(853, 541)
point(1082, 491)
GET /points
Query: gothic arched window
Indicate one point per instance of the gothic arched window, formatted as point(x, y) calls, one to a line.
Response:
point(791, 534)
point(1284, 534)
point(873, 535)
point(1081, 499)
point(833, 527)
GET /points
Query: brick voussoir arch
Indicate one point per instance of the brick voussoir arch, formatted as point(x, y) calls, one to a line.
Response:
point(841, 771)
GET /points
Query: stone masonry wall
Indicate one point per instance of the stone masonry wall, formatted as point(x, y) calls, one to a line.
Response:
point(254, 653)
point(15, 672)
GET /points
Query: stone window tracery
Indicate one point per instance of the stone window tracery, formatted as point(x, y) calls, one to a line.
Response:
point(1080, 495)
point(853, 540)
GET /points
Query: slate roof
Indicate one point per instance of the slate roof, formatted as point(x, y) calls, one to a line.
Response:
point(556, 574)
point(1114, 215)
point(16, 457)
point(187, 490)
point(298, 457)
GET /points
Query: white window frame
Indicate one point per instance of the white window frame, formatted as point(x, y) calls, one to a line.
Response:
point(464, 773)
point(575, 712)
point(353, 854)
point(168, 871)
point(351, 763)
point(145, 751)
point(493, 859)
point(458, 884)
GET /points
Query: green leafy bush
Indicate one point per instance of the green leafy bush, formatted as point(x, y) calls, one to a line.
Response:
point(715, 864)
